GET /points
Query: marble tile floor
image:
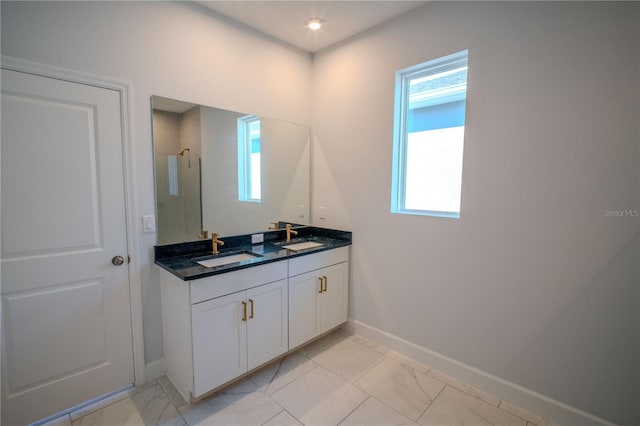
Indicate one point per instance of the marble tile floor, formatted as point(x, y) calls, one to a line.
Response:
point(336, 380)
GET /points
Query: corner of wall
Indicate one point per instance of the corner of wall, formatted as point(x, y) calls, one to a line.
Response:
point(155, 369)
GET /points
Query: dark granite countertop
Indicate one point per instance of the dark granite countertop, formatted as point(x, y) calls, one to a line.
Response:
point(179, 258)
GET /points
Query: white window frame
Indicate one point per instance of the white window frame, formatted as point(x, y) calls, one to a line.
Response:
point(400, 135)
point(245, 175)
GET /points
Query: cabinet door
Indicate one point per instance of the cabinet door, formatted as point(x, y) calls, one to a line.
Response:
point(219, 341)
point(267, 334)
point(334, 306)
point(304, 308)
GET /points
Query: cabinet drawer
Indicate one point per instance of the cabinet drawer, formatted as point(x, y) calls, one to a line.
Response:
point(302, 264)
point(231, 282)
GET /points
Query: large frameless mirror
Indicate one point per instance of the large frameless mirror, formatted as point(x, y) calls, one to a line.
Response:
point(225, 171)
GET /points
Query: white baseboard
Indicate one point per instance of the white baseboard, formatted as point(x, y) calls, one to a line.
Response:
point(155, 369)
point(556, 411)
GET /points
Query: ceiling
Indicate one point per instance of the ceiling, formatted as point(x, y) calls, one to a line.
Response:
point(286, 20)
point(171, 105)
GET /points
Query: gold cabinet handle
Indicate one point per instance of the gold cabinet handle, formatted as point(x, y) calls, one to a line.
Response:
point(323, 284)
point(244, 310)
point(251, 303)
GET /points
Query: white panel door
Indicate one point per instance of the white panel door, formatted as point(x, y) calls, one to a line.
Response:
point(267, 324)
point(66, 318)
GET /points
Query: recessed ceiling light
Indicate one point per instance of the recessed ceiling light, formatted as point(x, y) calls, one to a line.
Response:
point(315, 23)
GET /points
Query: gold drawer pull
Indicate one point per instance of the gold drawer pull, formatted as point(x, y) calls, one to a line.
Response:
point(320, 291)
point(244, 310)
point(251, 314)
point(325, 283)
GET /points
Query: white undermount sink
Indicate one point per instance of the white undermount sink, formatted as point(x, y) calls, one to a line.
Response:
point(302, 246)
point(226, 259)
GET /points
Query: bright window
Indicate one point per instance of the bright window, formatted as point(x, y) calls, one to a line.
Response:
point(249, 182)
point(428, 137)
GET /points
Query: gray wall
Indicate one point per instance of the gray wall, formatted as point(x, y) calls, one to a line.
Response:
point(170, 214)
point(534, 283)
point(178, 217)
point(190, 137)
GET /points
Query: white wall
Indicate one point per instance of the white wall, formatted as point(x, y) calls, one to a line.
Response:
point(175, 50)
point(535, 283)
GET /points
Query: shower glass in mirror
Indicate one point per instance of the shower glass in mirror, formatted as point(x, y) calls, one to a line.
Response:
point(226, 172)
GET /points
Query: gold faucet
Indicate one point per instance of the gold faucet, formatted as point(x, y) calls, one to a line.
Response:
point(214, 243)
point(289, 232)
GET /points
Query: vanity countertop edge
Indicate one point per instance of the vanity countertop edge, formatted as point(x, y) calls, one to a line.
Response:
point(178, 259)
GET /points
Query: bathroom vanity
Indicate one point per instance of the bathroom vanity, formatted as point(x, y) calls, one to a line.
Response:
point(221, 322)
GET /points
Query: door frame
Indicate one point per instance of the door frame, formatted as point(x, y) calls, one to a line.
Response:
point(124, 89)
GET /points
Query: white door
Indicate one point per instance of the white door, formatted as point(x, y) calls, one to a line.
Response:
point(267, 325)
point(66, 318)
point(219, 330)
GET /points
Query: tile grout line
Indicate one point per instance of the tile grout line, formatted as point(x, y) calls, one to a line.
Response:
point(410, 369)
point(315, 365)
point(351, 412)
point(274, 416)
point(284, 408)
point(396, 411)
point(159, 384)
point(432, 401)
point(527, 421)
point(469, 393)
point(359, 376)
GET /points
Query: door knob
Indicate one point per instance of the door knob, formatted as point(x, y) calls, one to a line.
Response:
point(117, 260)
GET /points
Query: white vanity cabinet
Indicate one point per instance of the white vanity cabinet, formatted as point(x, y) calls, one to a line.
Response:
point(213, 335)
point(235, 333)
point(220, 327)
point(318, 294)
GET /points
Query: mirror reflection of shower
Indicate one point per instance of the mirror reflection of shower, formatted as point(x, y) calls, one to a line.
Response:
point(284, 152)
point(178, 172)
